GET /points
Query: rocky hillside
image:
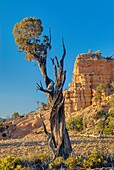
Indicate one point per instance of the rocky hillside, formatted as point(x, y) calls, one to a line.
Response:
point(23, 126)
point(93, 118)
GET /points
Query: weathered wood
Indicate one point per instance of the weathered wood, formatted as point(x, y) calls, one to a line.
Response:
point(58, 136)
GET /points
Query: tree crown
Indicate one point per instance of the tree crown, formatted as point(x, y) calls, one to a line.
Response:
point(27, 36)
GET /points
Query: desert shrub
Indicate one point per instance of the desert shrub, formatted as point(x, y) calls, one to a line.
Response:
point(112, 84)
point(101, 87)
point(39, 160)
point(98, 93)
point(109, 127)
point(11, 163)
point(100, 126)
point(111, 101)
point(106, 124)
point(95, 159)
point(1, 126)
point(44, 157)
point(19, 167)
point(15, 116)
point(56, 163)
point(97, 97)
point(72, 162)
point(101, 114)
point(75, 123)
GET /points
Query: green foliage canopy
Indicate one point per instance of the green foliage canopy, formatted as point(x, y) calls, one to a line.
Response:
point(26, 34)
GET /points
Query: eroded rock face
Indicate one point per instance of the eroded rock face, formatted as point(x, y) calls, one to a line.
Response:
point(90, 70)
point(21, 127)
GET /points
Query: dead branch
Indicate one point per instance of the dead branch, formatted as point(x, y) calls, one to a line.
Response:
point(56, 60)
point(40, 87)
point(63, 78)
point(44, 126)
point(49, 135)
point(64, 53)
point(55, 67)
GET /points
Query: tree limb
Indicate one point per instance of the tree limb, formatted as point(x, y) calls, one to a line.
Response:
point(56, 60)
point(40, 87)
point(55, 67)
point(64, 53)
point(49, 135)
point(63, 77)
point(44, 126)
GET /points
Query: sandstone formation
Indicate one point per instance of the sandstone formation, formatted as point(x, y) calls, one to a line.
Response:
point(21, 127)
point(90, 70)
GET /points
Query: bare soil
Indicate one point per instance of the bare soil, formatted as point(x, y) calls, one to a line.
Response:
point(33, 144)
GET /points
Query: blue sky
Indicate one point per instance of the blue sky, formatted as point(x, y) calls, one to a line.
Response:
point(84, 24)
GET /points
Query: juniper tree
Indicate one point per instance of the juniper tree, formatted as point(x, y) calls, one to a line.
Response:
point(27, 34)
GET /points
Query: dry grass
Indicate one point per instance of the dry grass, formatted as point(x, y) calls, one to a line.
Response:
point(32, 145)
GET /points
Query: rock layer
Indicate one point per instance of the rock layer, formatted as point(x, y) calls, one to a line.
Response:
point(90, 70)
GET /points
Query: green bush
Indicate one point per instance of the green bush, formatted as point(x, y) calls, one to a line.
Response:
point(101, 87)
point(109, 127)
point(101, 114)
point(72, 162)
point(95, 159)
point(15, 116)
point(112, 84)
point(75, 123)
point(11, 163)
point(1, 126)
point(98, 93)
point(44, 157)
point(111, 101)
point(106, 126)
point(100, 126)
point(19, 167)
point(56, 163)
point(97, 97)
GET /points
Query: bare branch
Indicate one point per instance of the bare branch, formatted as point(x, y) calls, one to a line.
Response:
point(55, 67)
point(41, 84)
point(44, 126)
point(52, 61)
point(56, 60)
point(40, 87)
point(51, 140)
point(63, 78)
point(64, 53)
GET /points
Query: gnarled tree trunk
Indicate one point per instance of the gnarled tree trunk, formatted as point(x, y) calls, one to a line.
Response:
point(58, 136)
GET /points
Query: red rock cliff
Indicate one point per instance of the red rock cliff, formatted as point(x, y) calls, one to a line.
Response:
point(90, 70)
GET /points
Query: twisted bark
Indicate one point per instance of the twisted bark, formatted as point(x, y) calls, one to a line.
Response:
point(58, 136)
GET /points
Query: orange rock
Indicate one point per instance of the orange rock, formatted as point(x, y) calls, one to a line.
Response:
point(89, 71)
